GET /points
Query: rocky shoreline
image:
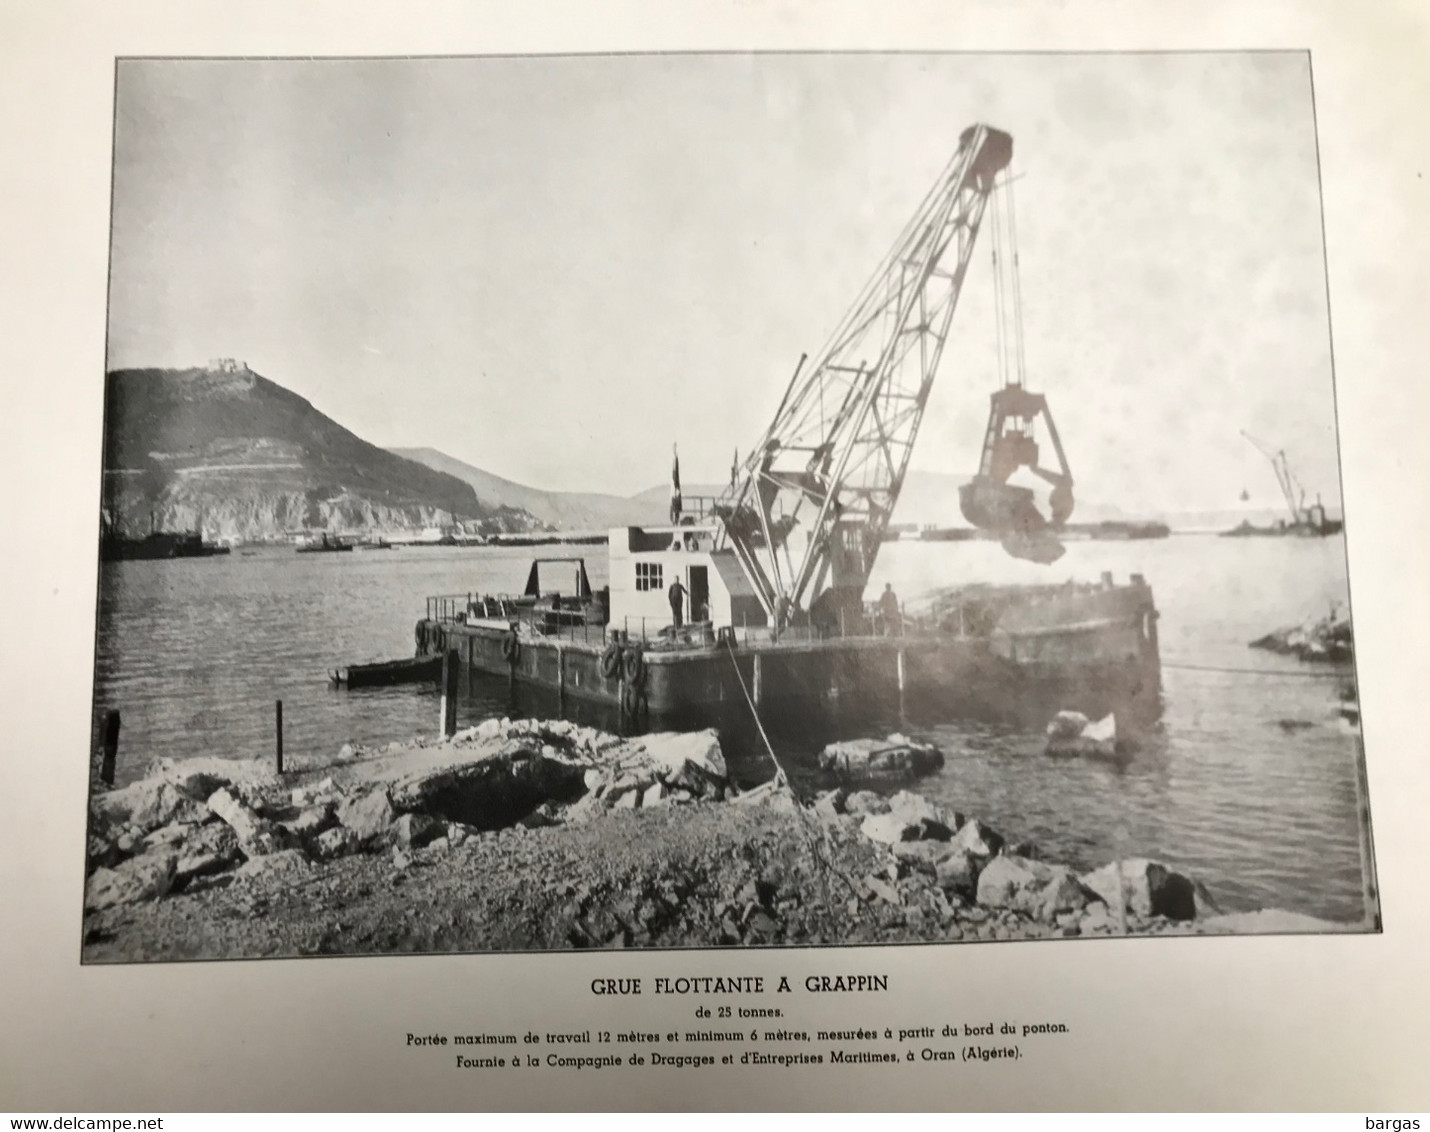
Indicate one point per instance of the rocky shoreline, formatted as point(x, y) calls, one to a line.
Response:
point(1316, 639)
point(525, 835)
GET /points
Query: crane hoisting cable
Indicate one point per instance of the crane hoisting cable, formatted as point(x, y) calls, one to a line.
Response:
point(990, 501)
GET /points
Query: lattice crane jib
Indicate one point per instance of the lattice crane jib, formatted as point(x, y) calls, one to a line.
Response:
point(812, 501)
point(1291, 490)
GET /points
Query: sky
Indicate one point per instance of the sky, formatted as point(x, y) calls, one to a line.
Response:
point(555, 267)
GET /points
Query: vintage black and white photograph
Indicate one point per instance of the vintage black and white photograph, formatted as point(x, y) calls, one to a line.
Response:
point(719, 500)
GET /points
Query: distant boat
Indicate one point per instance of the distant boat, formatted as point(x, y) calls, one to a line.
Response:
point(325, 545)
point(412, 670)
point(159, 544)
point(1315, 525)
point(1118, 531)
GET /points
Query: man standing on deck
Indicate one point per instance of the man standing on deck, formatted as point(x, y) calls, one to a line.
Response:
point(889, 610)
point(677, 603)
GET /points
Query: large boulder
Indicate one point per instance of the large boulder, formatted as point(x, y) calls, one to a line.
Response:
point(889, 829)
point(829, 804)
point(256, 836)
point(923, 856)
point(1150, 888)
point(200, 776)
point(1067, 725)
point(957, 871)
point(206, 849)
point(140, 808)
point(692, 760)
point(336, 842)
point(147, 877)
point(1034, 888)
point(491, 790)
point(933, 821)
point(895, 759)
point(290, 864)
point(412, 831)
point(1072, 734)
point(310, 821)
point(863, 802)
point(977, 839)
point(368, 816)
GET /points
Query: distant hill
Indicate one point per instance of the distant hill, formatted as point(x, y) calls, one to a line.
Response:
point(927, 499)
point(564, 510)
point(237, 456)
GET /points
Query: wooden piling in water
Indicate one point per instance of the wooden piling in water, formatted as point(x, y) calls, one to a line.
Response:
point(901, 681)
point(560, 678)
point(451, 666)
point(111, 747)
point(278, 732)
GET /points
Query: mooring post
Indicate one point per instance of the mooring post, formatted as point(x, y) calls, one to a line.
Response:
point(1370, 888)
point(278, 732)
point(759, 681)
point(1120, 839)
point(111, 747)
point(900, 662)
point(451, 666)
point(560, 679)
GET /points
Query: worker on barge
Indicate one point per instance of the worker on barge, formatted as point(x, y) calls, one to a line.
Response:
point(677, 603)
point(889, 611)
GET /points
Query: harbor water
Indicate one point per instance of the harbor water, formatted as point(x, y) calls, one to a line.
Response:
point(1249, 782)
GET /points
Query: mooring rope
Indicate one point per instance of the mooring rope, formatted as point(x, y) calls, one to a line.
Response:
point(823, 861)
point(1294, 674)
point(780, 775)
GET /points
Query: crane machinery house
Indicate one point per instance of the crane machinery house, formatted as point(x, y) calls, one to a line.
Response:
point(646, 562)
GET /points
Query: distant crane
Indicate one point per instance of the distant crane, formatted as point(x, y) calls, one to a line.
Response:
point(1291, 489)
point(1303, 520)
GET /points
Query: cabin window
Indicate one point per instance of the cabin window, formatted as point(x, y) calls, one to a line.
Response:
point(649, 576)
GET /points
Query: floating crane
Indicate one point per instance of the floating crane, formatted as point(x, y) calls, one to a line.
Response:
point(1303, 520)
point(808, 508)
point(1291, 489)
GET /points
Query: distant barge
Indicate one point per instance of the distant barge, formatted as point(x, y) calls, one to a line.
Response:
point(325, 545)
point(159, 544)
point(977, 652)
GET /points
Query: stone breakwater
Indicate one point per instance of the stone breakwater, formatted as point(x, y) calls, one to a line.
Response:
point(1328, 638)
point(528, 835)
point(192, 823)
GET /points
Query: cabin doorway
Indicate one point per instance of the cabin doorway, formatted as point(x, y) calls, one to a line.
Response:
point(699, 587)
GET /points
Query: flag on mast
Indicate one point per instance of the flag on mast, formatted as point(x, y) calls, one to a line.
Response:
point(675, 506)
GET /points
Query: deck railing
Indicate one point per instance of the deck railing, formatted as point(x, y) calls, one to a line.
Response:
point(656, 634)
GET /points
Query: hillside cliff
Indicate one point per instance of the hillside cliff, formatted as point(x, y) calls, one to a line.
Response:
point(237, 456)
point(564, 510)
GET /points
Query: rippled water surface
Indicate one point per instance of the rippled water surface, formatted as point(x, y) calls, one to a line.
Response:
point(1249, 782)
